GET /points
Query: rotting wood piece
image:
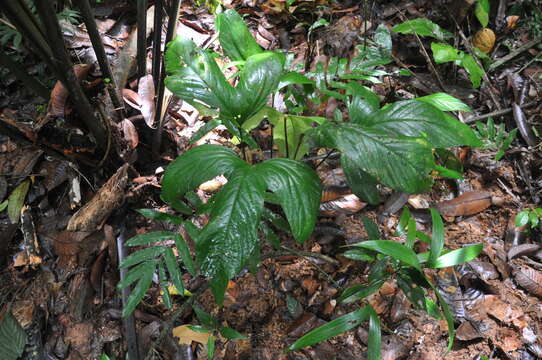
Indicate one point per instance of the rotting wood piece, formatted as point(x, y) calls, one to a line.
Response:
point(108, 198)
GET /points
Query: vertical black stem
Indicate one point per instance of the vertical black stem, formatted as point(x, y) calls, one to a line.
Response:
point(286, 137)
point(32, 83)
point(171, 28)
point(88, 17)
point(64, 71)
point(142, 37)
point(157, 42)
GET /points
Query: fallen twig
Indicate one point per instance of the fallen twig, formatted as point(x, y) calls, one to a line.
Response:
point(499, 112)
point(514, 53)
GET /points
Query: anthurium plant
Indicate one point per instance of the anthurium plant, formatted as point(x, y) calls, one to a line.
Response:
point(390, 144)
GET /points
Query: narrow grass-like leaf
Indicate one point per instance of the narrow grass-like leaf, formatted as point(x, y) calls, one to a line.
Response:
point(458, 256)
point(358, 254)
point(139, 290)
point(160, 216)
point(211, 348)
point(437, 237)
point(149, 238)
point(411, 233)
point(394, 249)
point(173, 270)
point(333, 328)
point(358, 292)
point(374, 340)
point(184, 253)
point(164, 285)
point(232, 334)
point(142, 255)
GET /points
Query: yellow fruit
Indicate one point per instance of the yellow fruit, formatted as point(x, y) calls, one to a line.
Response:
point(484, 40)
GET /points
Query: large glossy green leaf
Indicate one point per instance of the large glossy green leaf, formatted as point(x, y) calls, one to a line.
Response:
point(422, 27)
point(229, 238)
point(196, 166)
point(12, 337)
point(297, 188)
point(402, 163)
point(361, 183)
point(445, 102)
point(234, 36)
point(394, 249)
point(341, 325)
point(258, 79)
point(418, 118)
point(358, 292)
point(194, 75)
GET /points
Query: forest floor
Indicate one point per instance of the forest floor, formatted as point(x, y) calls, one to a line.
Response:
point(59, 261)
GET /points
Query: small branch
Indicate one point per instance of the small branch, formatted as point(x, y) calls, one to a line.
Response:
point(88, 17)
point(513, 54)
point(499, 112)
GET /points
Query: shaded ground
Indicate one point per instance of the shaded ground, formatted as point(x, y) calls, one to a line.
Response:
point(60, 267)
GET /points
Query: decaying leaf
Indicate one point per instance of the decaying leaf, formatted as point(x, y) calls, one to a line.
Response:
point(187, 335)
point(132, 98)
point(349, 204)
point(468, 203)
point(59, 95)
point(529, 279)
point(130, 133)
point(146, 95)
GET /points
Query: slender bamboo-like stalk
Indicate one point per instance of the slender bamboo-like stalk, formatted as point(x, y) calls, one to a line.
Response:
point(88, 17)
point(157, 42)
point(31, 82)
point(64, 70)
point(141, 38)
point(173, 14)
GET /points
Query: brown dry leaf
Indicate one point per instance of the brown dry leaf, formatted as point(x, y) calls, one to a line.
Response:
point(332, 192)
point(59, 95)
point(146, 94)
point(500, 310)
point(468, 203)
point(509, 340)
point(24, 259)
point(130, 133)
point(466, 332)
point(529, 279)
point(132, 98)
point(187, 335)
point(349, 204)
point(274, 6)
point(310, 284)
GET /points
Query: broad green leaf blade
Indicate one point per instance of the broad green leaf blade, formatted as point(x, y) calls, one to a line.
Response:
point(205, 318)
point(418, 118)
point(294, 78)
point(361, 183)
point(298, 189)
point(12, 337)
point(437, 237)
point(422, 27)
point(445, 53)
point(232, 334)
point(360, 109)
point(139, 290)
point(142, 255)
point(16, 201)
point(211, 348)
point(445, 102)
point(296, 127)
point(258, 79)
point(149, 238)
point(481, 11)
point(228, 240)
point(184, 253)
point(522, 218)
point(160, 216)
point(394, 249)
point(475, 71)
point(234, 36)
point(173, 270)
point(400, 163)
point(194, 75)
point(332, 328)
point(358, 292)
point(458, 256)
point(205, 129)
point(209, 160)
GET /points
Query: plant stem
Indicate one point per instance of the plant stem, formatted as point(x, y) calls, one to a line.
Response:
point(157, 42)
point(64, 71)
point(159, 119)
point(31, 82)
point(142, 38)
point(88, 17)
